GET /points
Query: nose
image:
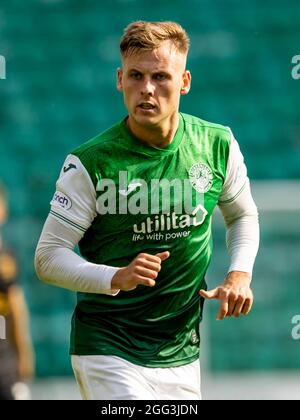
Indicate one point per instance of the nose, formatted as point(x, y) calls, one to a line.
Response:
point(147, 88)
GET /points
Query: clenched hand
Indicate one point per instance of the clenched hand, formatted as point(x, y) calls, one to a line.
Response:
point(142, 270)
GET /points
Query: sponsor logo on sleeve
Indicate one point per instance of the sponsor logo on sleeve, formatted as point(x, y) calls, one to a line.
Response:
point(62, 200)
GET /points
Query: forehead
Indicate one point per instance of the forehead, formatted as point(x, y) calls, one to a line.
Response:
point(166, 57)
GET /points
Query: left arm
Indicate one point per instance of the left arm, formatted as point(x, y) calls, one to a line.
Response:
point(242, 236)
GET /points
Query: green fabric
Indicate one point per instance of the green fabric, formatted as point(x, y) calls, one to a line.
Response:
point(158, 326)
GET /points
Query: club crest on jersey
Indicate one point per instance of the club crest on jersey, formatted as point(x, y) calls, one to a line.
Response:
point(201, 177)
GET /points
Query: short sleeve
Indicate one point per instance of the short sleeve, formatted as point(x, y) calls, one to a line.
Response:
point(74, 201)
point(236, 174)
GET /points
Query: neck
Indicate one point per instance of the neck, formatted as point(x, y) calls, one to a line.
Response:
point(157, 135)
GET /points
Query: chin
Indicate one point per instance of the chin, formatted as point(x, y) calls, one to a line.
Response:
point(146, 120)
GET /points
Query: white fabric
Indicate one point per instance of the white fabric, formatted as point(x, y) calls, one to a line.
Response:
point(242, 233)
point(113, 378)
point(56, 262)
point(236, 173)
point(74, 202)
point(239, 212)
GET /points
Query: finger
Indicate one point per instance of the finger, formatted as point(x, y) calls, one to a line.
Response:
point(247, 306)
point(163, 255)
point(145, 281)
point(231, 304)
point(155, 266)
point(209, 294)
point(145, 272)
point(223, 309)
point(149, 257)
point(238, 307)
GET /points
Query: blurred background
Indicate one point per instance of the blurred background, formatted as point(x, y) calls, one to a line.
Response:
point(61, 58)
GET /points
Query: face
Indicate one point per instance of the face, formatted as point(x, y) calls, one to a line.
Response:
point(152, 82)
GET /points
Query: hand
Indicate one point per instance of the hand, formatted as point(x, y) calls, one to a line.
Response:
point(143, 270)
point(235, 295)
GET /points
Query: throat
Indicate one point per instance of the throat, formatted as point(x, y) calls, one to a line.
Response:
point(157, 136)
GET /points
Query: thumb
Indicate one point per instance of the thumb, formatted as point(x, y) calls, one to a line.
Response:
point(209, 294)
point(163, 255)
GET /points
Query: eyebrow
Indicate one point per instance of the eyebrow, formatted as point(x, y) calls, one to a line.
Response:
point(133, 69)
point(155, 72)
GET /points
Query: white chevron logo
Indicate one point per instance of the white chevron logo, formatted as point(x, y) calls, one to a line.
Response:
point(131, 187)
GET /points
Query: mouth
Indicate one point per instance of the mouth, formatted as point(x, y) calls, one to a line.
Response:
point(146, 106)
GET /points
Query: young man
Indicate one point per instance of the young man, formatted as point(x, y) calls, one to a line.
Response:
point(139, 199)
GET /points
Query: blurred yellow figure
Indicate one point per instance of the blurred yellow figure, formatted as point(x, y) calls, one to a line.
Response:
point(16, 354)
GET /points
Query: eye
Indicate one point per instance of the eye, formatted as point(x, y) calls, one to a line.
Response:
point(160, 77)
point(135, 75)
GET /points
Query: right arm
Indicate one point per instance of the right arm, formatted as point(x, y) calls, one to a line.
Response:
point(73, 209)
point(56, 262)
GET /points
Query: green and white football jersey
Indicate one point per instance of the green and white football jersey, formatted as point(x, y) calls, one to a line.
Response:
point(126, 198)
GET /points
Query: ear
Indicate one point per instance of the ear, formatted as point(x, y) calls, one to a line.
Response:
point(119, 79)
point(186, 82)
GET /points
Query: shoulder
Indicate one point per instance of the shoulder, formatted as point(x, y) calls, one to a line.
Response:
point(95, 151)
point(100, 141)
point(211, 130)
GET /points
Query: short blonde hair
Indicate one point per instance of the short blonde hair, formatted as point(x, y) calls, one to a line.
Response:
point(147, 36)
